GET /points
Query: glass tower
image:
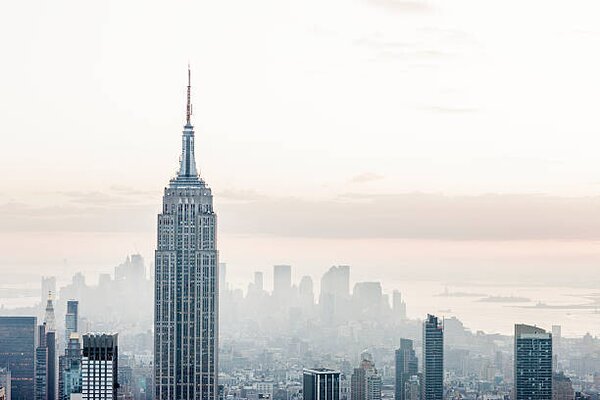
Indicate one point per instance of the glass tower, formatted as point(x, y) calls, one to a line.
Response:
point(17, 353)
point(186, 287)
point(533, 363)
point(433, 359)
point(407, 366)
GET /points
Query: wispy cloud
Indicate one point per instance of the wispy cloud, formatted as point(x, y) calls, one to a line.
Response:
point(366, 177)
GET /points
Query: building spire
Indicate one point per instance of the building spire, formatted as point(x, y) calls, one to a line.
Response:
point(189, 96)
point(188, 173)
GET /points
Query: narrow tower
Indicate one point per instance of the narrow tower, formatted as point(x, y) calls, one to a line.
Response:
point(186, 287)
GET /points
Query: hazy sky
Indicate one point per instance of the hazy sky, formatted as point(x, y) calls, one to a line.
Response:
point(379, 133)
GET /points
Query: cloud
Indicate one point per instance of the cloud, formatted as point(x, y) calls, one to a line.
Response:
point(418, 216)
point(366, 177)
point(414, 6)
point(347, 216)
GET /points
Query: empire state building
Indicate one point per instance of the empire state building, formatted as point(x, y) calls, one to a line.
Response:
point(186, 286)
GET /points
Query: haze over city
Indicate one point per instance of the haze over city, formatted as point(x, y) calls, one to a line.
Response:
point(441, 154)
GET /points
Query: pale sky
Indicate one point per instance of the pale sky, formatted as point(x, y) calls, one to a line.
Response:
point(376, 133)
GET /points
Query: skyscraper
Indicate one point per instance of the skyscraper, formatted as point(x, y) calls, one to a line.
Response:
point(533, 363)
point(365, 381)
point(99, 366)
point(321, 384)
point(282, 280)
point(433, 359)
point(69, 377)
point(407, 366)
point(71, 319)
point(186, 289)
point(17, 353)
point(41, 365)
point(50, 343)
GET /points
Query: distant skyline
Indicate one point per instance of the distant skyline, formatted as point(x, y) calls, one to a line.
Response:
point(408, 136)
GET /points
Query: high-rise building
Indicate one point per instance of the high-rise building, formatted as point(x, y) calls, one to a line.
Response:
point(17, 353)
point(186, 289)
point(365, 383)
point(71, 319)
point(50, 343)
point(407, 366)
point(282, 281)
point(398, 305)
point(5, 382)
point(533, 363)
point(99, 366)
point(334, 298)
point(258, 281)
point(562, 387)
point(41, 365)
point(69, 376)
point(132, 270)
point(321, 384)
point(433, 359)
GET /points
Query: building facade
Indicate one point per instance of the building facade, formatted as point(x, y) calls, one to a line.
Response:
point(407, 366)
point(366, 382)
point(99, 367)
point(433, 359)
point(321, 384)
point(17, 353)
point(533, 363)
point(69, 377)
point(186, 289)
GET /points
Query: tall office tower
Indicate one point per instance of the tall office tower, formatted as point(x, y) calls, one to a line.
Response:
point(368, 300)
point(365, 383)
point(407, 366)
point(321, 384)
point(41, 365)
point(132, 270)
point(305, 290)
point(533, 363)
point(5, 382)
point(17, 353)
point(433, 359)
point(334, 298)
point(50, 342)
point(99, 366)
point(556, 338)
point(282, 281)
point(71, 319)
point(398, 305)
point(69, 377)
point(186, 289)
point(258, 281)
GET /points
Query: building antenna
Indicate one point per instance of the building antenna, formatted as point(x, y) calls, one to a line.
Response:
point(189, 96)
